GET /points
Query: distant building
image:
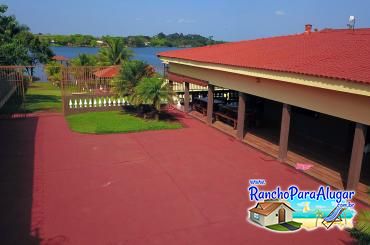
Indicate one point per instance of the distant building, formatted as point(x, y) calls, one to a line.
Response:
point(61, 59)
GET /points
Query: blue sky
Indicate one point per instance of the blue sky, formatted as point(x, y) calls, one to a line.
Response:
point(226, 20)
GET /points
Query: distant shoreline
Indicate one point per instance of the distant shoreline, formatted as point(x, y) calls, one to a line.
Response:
point(75, 46)
point(175, 40)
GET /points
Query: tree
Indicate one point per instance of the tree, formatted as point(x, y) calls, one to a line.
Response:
point(84, 60)
point(53, 70)
point(115, 53)
point(130, 74)
point(152, 91)
point(319, 215)
point(18, 46)
point(161, 35)
point(361, 229)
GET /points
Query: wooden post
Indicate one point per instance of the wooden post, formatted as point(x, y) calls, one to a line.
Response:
point(284, 133)
point(170, 84)
point(186, 98)
point(357, 156)
point(164, 70)
point(240, 131)
point(211, 91)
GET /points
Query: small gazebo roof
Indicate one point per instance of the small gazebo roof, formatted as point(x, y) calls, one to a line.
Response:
point(59, 58)
point(108, 72)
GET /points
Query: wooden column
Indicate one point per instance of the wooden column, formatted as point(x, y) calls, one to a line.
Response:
point(211, 91)
point(240, 131)
point(170, 84)
point(186, 98)
point(356, 157)
point(284, 133)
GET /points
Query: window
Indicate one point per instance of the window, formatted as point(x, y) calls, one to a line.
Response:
point(256, 216)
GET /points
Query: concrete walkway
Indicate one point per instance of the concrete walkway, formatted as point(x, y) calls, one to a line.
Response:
point(185, 186)
point(289, 226)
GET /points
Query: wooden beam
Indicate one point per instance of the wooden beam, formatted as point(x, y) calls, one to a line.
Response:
point(358, 147)
point(211, 91)
point(240, 131)
point(284, 133)
point(186, 98)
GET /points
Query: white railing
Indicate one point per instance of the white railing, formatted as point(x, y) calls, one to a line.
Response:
point(96, 102)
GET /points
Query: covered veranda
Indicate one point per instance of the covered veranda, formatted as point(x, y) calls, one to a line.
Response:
point(330, 145)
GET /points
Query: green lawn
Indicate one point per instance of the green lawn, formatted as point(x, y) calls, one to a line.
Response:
point(279, 227)
point(40, 96)
point(43, 96)
point(114, 122)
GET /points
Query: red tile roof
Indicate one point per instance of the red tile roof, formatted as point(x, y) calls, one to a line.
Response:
point(266, 208)
point(338, 54)
point(108, 72)
point(59, 58)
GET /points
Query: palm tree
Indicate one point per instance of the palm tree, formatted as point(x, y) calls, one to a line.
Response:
point(361, 229)
point(319, 214)
point(130, 74)
point(115, 53)
point(153, 91)
point(84, 60)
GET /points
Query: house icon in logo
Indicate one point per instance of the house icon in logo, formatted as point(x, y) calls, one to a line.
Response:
point(271, 212)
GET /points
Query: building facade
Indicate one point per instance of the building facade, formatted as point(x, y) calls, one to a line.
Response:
point(301, 98)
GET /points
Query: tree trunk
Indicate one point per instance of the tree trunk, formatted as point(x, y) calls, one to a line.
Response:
point(31, 80)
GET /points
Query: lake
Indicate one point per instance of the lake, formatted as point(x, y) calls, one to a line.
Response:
point(149, 55)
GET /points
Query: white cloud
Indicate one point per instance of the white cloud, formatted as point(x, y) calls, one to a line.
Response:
point(303, 204)
point(279, 12)
point(185, 21)
point(321, 206)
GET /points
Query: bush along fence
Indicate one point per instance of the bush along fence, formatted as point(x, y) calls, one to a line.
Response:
point(12, 84)
point(90, 88)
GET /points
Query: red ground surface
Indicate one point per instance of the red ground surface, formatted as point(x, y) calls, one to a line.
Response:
point(175, 187)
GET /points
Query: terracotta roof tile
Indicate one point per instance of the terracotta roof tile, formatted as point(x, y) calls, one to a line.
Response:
point(108, 72)
point(338, 54)
point(59, 58)
point(266, 208)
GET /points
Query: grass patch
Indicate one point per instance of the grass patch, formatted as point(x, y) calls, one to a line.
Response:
point(279, 227)
point(40, 96)
point(43, 96)
point(295, 224)
point(115, 122)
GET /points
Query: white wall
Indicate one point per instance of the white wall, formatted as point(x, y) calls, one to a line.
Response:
point(273, 218)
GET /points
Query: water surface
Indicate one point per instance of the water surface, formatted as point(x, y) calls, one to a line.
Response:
point(149, 55)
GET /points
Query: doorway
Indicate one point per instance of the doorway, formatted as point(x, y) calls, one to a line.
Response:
point(281, 215)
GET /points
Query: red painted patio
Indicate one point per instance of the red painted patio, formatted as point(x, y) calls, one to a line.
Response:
point(184, 186)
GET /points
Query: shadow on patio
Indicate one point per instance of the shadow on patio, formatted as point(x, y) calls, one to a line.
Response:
point(17, 140)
